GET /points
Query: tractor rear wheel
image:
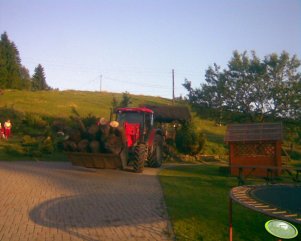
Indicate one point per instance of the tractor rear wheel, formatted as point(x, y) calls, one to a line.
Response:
point(140, 156)
point(156, 156)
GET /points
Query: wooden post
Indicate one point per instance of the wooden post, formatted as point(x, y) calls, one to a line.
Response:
point(173, 86)
point(230, 219)
point(278, 157)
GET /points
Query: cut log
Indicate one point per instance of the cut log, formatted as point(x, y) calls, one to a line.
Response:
point(93, 132)
point(114, 144)
point(94, 146)
point(75, 135)
point(70, 146)
point(82, 146)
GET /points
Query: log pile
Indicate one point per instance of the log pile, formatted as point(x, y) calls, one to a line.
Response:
point(101, 137)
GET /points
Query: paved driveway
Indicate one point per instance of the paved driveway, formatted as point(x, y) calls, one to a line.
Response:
point(56, 201)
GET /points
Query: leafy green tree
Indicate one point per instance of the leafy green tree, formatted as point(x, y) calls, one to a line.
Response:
point(193, 94)
point(114, 103)
point(188, 140)
point(126, 99)
point(244, 84)
point(215, 91)
point(255, 88)
point(39, 79)
point(285, 85)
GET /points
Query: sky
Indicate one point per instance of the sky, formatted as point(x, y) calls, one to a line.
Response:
point(133, 45)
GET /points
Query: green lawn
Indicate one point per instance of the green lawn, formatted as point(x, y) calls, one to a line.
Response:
point(197, 202)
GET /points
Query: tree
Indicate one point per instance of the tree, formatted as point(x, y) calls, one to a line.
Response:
point(39, 79)
point(126, 99)
point(114, 106)
point(285, 85)
point(215, 92)
point(114, 103)
point(26, 80)
point(188, 140)
point(255, 88)
point(12, 74)
point(10, 64)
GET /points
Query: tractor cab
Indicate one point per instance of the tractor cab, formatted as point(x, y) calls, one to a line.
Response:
point(137, 123)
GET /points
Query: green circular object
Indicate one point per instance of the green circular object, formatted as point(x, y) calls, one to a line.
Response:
point(281, 229)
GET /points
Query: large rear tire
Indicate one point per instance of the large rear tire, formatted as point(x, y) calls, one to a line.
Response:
point(156, 156)
point(140, 155)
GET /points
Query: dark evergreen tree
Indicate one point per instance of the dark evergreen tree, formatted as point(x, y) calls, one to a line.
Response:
point(26, 80)
point(3, 69)
point(12, 74)
point(10, 64)
point(39, 79)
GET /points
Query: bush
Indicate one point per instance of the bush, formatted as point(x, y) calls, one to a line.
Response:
point(189, 141)
point(35, 120)
point(212, 148)
point(29, 141)
point(30, 145)
point(35, 147)
point(47, 146)
point(15, 149)
point(89, 120)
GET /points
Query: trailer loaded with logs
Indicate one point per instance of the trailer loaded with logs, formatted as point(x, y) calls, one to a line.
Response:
point(130, 140)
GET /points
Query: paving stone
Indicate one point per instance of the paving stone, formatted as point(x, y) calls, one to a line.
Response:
point(56, 201)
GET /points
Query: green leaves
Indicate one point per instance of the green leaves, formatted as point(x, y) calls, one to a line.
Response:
point(256, 88)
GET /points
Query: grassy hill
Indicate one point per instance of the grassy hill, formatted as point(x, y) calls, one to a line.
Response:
point(60, 103)
point(36, 107)
point(32, 112)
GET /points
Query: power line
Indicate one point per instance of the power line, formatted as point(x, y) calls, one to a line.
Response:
point(138, 83)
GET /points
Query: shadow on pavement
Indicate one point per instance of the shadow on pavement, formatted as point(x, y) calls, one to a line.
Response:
point(93, 210)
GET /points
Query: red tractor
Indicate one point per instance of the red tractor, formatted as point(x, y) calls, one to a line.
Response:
point(144, 142)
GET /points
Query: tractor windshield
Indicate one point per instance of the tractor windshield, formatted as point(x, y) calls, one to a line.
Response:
point(130, 117)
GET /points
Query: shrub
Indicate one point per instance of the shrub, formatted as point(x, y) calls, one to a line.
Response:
point(213, 148)
point(89, 120)
point(30, 145)
point(15, 149)
point(189, 141)
point(35, 120)
point(47, 146)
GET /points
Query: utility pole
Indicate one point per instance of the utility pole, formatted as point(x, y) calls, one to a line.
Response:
point(100, 82)
point(173, 86)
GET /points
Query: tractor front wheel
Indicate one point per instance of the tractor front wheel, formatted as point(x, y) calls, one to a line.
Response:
point(140, 156)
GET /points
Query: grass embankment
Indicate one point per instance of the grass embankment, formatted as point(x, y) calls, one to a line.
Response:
point(59, 104)
point(32, 113)
point(214, 135)
point(30, 110)
point(197, 202)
